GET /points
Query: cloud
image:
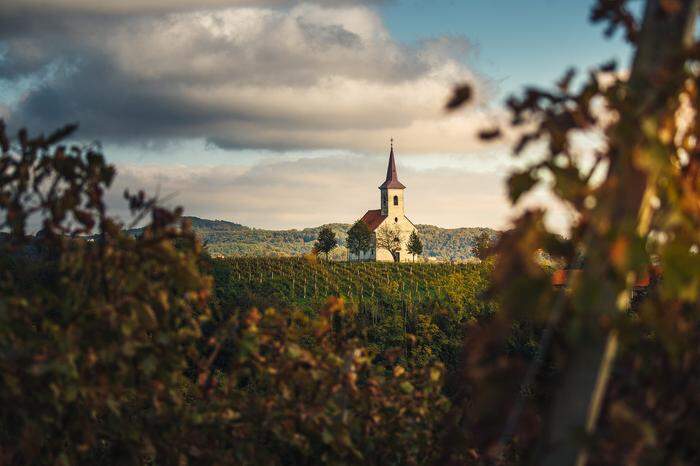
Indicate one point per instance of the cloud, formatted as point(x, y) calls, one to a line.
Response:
point(278, 77)
point(130, 7)
point(312, 191)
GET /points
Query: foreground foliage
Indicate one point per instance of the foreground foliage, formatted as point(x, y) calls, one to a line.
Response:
point(110, 352)
point(627, 368)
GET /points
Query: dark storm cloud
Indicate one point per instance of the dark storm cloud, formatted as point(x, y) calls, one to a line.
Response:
point(303, 76)
point(324, 36)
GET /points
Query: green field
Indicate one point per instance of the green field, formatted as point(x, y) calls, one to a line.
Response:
point(420, 307)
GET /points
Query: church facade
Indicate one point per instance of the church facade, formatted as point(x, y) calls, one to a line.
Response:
point(390, 216)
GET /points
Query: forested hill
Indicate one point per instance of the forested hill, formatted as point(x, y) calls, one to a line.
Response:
point(232, 239)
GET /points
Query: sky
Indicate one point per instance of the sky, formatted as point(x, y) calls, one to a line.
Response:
point(278, 113)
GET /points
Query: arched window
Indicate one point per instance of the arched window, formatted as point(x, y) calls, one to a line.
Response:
point(396, 200)
point(396, 219)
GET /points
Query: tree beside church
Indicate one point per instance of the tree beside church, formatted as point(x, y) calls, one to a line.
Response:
point(325, 242)
point(415, 245)
point(359, 238)
point(389, 217)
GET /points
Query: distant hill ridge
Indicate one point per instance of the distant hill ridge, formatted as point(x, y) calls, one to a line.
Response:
point(233, 239)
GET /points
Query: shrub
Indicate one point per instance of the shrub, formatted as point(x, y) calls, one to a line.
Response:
point(111, 351)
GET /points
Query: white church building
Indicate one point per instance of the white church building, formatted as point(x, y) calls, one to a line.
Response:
point(391, 214)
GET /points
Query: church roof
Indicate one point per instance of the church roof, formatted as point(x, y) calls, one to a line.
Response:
point(373, 218)
point(392, 179)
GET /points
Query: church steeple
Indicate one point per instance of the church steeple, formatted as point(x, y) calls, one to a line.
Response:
point(392, 190)
point(392, 178)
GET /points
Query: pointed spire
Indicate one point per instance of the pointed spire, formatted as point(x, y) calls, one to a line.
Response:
point(392, 178)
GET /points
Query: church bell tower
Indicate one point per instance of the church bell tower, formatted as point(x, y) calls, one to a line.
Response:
point(392, 190)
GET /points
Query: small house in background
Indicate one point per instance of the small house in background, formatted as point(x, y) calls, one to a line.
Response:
point(561, 277)
point(390, 217)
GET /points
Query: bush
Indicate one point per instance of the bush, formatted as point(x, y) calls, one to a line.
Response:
point(112, 353)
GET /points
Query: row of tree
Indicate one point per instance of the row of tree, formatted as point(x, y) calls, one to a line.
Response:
point(360, 240)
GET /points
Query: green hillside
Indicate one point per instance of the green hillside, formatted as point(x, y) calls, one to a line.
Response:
point(232, 239)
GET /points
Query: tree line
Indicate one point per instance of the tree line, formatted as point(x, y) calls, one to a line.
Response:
point(231, 239)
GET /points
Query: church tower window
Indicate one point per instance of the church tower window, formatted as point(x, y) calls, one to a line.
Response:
point(396, 200)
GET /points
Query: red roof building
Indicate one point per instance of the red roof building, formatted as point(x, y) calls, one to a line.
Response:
point(373, 218)
point(560, 277)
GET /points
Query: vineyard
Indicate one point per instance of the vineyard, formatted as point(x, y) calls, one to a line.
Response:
point(420, 307)
point(305, 283)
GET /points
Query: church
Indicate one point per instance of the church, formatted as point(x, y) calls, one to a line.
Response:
point(391, 217)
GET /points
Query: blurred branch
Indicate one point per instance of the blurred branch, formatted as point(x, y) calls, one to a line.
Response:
point(664, 39)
